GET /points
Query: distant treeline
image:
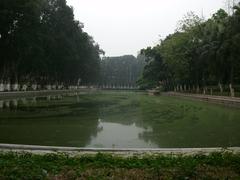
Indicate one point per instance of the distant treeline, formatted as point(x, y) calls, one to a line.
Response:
point(201, 53)
point(42, 43)
point(121, 71)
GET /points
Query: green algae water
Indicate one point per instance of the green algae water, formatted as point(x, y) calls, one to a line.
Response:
point(118, 119)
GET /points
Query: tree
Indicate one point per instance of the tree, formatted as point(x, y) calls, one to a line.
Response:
point(200, 53)
point(121, 71)
point(42, 43)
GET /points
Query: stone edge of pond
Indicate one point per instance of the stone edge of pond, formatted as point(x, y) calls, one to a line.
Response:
point(17, 94)
point(222, 100)
point(120, 151)
point(21, 94)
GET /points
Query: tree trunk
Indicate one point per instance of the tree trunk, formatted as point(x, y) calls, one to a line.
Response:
point(220, 87)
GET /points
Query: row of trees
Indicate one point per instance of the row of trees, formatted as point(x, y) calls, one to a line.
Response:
point(199, 54)
point(42, 43)
point(121, 71)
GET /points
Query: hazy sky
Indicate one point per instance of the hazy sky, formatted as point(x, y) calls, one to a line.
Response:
point(125, 26)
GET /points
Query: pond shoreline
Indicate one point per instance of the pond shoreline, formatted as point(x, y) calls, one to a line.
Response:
point(117, 151)
point(224, 100)
point(17, 94)
point(229, 101)
point(133, 120)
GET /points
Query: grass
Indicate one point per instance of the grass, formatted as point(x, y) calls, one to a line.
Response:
point(175, 122)
point(105, 166)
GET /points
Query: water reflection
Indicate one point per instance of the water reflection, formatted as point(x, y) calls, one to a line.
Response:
point(51, 120)
point(117, 120)
point(14, 103)
point(1, 104)
point(115, 135)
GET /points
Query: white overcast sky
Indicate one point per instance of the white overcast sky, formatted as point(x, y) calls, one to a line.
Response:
point(125, 26)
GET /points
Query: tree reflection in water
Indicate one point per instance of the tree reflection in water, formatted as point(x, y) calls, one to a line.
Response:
point(117, 119)
point(53, 121)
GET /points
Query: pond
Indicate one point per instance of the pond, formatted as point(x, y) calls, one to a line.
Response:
point(118, 119)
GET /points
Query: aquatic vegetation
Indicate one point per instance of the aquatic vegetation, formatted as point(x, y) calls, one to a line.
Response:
point(123, 118)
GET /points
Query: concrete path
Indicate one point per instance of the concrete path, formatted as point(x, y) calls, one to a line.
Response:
point(229, 101)
point(120, 151)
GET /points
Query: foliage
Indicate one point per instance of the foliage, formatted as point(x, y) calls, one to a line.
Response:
point(200, 53)
point(62, 166)
point(41, 42)
point(121, 71)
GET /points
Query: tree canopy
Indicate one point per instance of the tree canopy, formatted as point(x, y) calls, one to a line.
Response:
point(122, 70)
point(200, 53)
point(41, 42)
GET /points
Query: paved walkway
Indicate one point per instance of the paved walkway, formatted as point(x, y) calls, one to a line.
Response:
point(230, 101)
point(118, 151)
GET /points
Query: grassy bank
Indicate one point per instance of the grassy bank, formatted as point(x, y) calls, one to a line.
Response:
point(105, 166)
